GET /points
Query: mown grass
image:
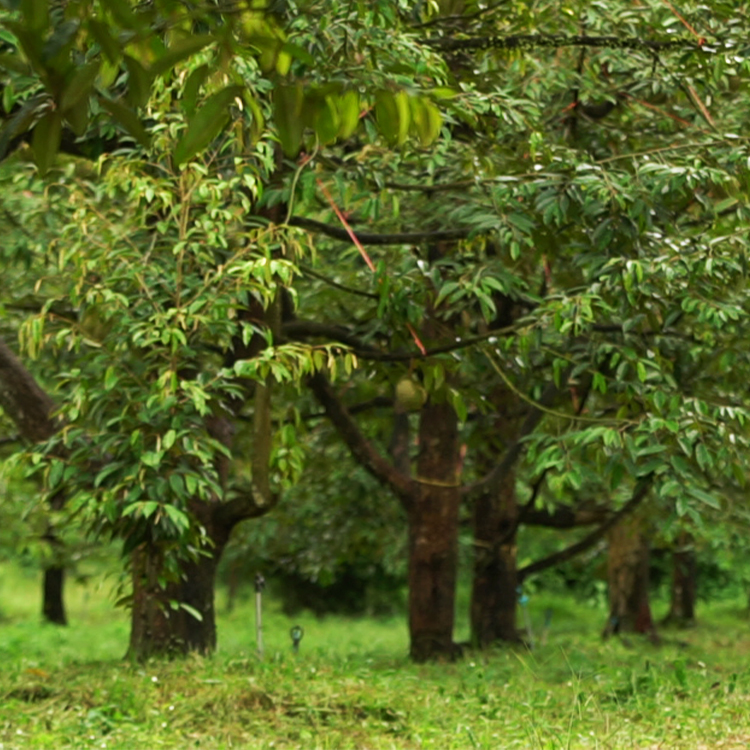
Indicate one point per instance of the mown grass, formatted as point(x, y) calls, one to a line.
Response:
point(351, 685)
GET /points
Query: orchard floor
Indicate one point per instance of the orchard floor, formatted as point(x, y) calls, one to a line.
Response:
point(351, 685)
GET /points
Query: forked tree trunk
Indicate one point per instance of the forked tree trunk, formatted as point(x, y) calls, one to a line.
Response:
point(684, 574)
point(628, 578)
point(493, 593)
point(433, 536)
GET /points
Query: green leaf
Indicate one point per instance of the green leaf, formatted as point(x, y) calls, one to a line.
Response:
point(703, 496)
point(111, 378)
point(78, 117)
point(287, 101)
point(177, 485)
point(79, 87)
point(45, 141)
point(177, 517)
point(206, 124)
point(35, 14)
point(20, 121)
point(192, 87)
point(104, 473)
point(180, 51)
point(139, 82)
point(128, 119)
point(192, 611)
point(703, 457)
point(123, 14)
point(169, 437)
point(105, 40)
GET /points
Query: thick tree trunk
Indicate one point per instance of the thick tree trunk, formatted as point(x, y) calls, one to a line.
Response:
point(684, 574)
point(493, 592)
point(159, 625)
point(433, 536)
point(628, 577)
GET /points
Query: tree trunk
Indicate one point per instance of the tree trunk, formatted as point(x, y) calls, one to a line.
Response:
point(628, 577)
point(433, 536)
point(493, 592)
point(159, 625)
point(682, 605)
point(53, 607)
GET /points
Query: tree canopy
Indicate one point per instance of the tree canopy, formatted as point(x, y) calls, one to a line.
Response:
point(537, 212)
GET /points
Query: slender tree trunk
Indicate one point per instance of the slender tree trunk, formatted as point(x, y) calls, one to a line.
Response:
point(53, 607)
point(493, 592)
point(628, 577)
point(433, 536)
point(684, 574)
point(53, 604)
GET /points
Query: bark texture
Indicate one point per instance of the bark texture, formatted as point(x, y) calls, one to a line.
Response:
point(433, 536)
point(684, 584)
point(159, 625)
point(493, 592)
point(628, 578)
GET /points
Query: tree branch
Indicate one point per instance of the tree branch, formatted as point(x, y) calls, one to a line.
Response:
point(369, 238)
point(494, 479)
point(361, 448)
point(246, 503)
point(564, 517)
point(349, 290)
point(591, 539)
point(303, 328)
point(23, 400)
point(532, 41)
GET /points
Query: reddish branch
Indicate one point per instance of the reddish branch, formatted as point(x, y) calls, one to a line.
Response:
point(368, 238)
point(301, 329)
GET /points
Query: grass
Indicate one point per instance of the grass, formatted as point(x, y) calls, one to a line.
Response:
point(351, 685)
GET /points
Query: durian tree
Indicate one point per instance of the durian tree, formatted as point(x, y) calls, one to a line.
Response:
point(531, 218)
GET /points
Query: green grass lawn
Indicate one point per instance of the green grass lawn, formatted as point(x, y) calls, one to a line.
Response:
point(351, 685)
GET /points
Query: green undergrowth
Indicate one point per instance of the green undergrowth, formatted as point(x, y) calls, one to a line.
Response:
point(351, 685)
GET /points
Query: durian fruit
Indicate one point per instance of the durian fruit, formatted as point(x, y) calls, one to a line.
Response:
point(410, 395)
point(93, 324)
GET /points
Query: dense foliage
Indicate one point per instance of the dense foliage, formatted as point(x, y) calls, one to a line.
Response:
point(544, 217)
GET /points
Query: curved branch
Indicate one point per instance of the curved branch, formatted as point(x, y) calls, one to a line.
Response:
point(564, 517)
point(369, 238)
point(28, 406)
point(335, 284)
point(492, 481)
point(304, 328)
point(532, 41)
point(362, 449)
point(591, 539)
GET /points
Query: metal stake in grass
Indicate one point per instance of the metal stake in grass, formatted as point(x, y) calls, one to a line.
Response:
point(296, 634)
point(260, 584)
point(523, 600)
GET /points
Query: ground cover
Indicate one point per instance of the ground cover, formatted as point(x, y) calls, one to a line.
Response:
point(351, 685)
